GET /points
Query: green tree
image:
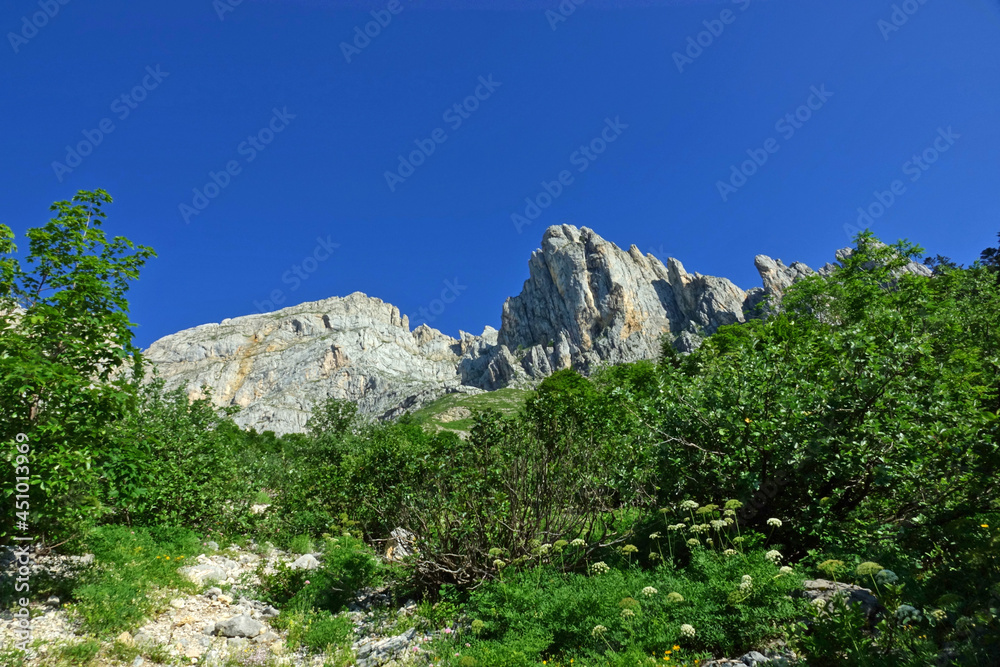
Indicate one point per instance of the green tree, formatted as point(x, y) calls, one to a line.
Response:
point(67, 362)
point(866, 405)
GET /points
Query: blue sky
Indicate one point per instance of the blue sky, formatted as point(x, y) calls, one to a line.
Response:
point(309, 128)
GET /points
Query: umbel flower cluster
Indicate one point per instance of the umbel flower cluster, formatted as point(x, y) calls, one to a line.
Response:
point(706, 526)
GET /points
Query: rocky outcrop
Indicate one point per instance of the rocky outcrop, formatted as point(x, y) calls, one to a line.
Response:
point(278, 366)
point(586, 302)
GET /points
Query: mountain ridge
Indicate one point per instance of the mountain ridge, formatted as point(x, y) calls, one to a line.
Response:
point(586, 302)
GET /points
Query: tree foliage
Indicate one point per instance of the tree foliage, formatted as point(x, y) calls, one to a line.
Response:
point(65, 343)
point(870, 400)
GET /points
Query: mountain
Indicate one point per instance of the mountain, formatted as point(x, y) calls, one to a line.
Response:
point(586, 302)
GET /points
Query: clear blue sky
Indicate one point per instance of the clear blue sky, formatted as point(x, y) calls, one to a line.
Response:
point(323, 175)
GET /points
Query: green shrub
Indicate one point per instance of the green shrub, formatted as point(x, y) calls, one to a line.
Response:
point(868, 401)
point(177, 461)
point(326, 631)
point(641, 610)
point(347, 565)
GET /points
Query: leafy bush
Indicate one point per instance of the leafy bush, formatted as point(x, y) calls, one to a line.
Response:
point(734, 603)
point(347, 566)
point(178, 461)
point(866, 401)
point(328, 631)
point(557, 472)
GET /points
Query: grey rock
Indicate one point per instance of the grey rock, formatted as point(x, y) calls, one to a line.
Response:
point(305, 562)
point(213, 592)
point(200, 574)
point(364, 648)
point(138, 661)
point(278, 366)
point(228, 565)
point(587, 302)
point(269, 612)
point(400, 545)
point(213, 545)
point(826, 590)
point(209, 629)
point(53, 601)
point(239, 626)
point(754, 658)
point(266, 637)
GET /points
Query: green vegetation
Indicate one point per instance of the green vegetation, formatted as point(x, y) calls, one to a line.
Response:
point(587, 616)
point(457, 412)
point(852, 435)
point(65, 337)
point(348, 565)
point(131, 567)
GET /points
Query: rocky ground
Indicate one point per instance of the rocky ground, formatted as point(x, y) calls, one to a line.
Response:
point(223, 625)
point(214, 627)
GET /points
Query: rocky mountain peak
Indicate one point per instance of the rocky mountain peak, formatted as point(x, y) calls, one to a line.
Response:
point(586, 302)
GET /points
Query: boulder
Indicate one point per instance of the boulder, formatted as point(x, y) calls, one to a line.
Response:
point(239, 626)
point(204, 572)
point(823, 589)
point(400, 544)
point(305, 562)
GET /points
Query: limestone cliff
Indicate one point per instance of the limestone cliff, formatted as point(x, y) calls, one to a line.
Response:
point(585, 302)
point(278, 366)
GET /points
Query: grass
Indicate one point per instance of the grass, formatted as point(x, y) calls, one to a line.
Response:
point(82, 653)
point(120, 591)
point(127, 652)
point(456, 412)
point(11, 656)
point(301, 544)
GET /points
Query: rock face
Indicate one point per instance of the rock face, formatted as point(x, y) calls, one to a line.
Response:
point(586, 302)
point(278, 366)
